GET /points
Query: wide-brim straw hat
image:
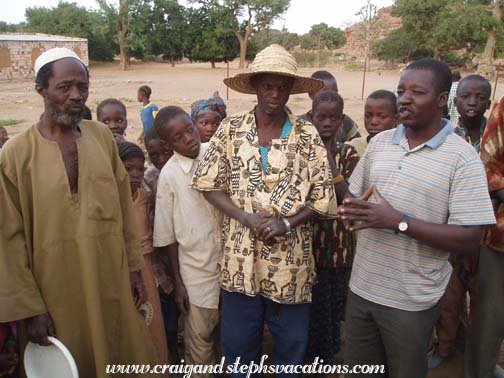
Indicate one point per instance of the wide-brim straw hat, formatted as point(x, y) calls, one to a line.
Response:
point(275, 60)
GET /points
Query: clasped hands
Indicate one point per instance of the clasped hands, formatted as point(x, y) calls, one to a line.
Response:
point(358, 213)
point(265, 226)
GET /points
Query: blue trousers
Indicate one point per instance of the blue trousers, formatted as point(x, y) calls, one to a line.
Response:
point(242, 322)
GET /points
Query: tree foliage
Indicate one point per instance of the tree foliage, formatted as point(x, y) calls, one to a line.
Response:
point(249, 17)
point(69, 19)
point(210, 37)
point(431, 28)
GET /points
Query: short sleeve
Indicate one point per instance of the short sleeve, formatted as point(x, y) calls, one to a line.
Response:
point(213, 170)
point(164, 226)
point(321, 197)
point(469, 201)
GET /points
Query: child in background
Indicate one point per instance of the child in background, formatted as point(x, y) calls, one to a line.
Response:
point(472, 101)
point(159, 155)
point(188, 229)
point(207, 115)
point(9, 358)
point(333, 245)
point(380, 114)
point(133, 159)
point(148, 110)
point(113, 114)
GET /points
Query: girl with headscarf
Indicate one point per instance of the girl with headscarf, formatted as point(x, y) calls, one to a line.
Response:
point(207, 115)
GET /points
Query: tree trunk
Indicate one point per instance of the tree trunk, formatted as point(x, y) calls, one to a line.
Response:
point(123, 54)
point(317, 61)
point(485, 66)
point(213, 63)
point(172, 61)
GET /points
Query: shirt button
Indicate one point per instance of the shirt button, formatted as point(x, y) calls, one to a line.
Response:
point(399, 168)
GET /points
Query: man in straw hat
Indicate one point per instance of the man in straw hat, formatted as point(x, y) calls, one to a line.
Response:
point(68, 246)
point(268, 172)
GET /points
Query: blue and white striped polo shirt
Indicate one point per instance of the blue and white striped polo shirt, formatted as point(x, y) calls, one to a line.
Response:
point(441, 181)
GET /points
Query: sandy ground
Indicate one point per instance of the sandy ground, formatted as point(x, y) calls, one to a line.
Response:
point(179, 85)
point(184, 84)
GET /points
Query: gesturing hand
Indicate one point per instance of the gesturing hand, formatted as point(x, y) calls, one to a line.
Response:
point(39, 327)
point(379, 214)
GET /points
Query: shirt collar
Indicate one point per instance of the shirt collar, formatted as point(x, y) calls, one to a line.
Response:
point(434, 142)
point(187, 163)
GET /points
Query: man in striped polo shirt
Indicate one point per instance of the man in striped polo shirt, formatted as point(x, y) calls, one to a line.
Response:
point(419, 193)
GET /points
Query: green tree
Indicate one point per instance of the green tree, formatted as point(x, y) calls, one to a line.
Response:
point(322, 36)
point(210, 37)
point(170, 27)
point(120, 16)
point(485, 66)
point(269, 36)
point(69, 19)
point(431, 28)
point(10, 28)
point(249, 17)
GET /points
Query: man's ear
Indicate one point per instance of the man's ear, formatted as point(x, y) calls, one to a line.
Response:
point(41, 91)
point(489, 103)
point(443, 99)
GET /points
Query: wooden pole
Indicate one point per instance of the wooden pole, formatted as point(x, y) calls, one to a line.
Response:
point(227, 75)
point(496, 80)
point(363, 79)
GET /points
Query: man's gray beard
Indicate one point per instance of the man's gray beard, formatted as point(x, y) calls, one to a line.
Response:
point(65, 119)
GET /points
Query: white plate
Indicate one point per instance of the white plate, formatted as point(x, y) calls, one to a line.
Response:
point(53, 361)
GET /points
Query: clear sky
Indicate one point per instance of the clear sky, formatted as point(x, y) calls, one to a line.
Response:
point(299, 18)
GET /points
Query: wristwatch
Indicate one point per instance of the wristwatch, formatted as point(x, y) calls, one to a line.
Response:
point(403, 225)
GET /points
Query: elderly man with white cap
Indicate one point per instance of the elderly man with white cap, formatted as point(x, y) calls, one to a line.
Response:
point(268, 173)
point(68, 246)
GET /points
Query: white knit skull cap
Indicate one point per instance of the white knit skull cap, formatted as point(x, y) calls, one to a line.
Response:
point(52, 55)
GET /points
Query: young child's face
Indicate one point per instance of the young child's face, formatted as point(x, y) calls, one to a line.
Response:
point(327, 119)
point(182, 136)
point(379, 115)
point(113, 116)
point(207, 125)
point(472, 99)
point(140, 96)
point(135, 169)
point(159, 154)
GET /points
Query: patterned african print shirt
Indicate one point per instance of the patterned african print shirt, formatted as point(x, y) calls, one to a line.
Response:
point(333, 245)
point(492, 155)
point(297, 176)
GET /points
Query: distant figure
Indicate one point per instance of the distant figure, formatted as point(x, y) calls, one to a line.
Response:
point(452, 108)
point(148, 110)
point(207, 115)
point(349, 129)
point(112, 113)
point(380, 114)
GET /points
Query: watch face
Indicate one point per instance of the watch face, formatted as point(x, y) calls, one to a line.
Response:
point(403, 226)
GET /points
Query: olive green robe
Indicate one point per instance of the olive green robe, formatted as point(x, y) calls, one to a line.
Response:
point(71, 254)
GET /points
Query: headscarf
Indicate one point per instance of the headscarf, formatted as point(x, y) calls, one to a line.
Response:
point(214, 104)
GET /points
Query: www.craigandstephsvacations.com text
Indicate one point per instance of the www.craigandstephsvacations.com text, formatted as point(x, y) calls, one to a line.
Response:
point(248, 369)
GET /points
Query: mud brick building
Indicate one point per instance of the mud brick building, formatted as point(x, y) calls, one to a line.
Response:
point(18, 52)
